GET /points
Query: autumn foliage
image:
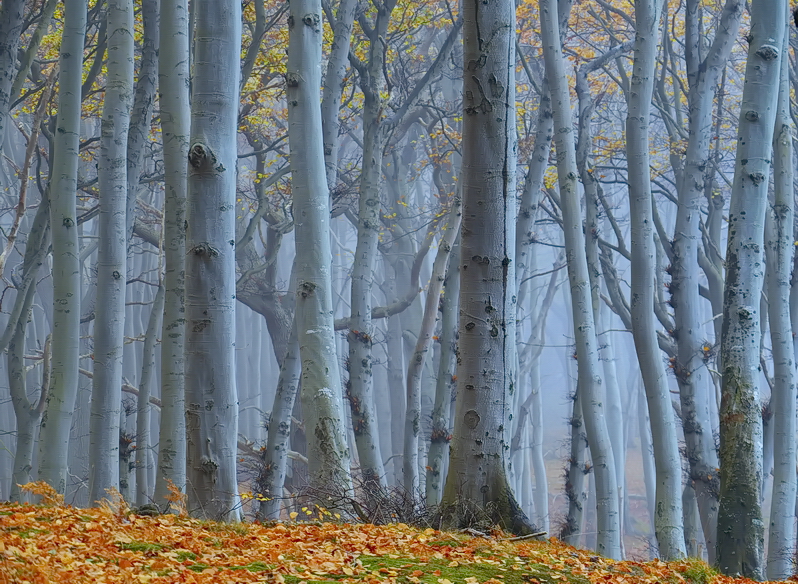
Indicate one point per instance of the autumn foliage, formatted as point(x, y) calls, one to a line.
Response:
point(53, 542)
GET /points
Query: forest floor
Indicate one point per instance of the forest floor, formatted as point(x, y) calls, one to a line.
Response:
point(53, 542)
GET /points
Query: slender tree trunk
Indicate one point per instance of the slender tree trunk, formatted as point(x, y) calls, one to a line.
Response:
point(109, 326)
point(590, 394)
point(141, 111)
point(272, 478)
point(57, 420)
point(417, 361)
point(668, 517)
point(143, 446)
point(779, 250)
point(211, 396)
point(322, 406)
point(360, 388)
point(437, 456)
point(740, 525)
point(175, 123)
point(486, 372)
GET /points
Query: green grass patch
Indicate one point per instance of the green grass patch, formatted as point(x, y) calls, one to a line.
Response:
point(145, 547)
point(183, 555)
point(254, 567)
point(198, 567)
point(698, 572)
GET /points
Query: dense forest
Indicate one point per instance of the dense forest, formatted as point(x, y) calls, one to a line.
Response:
point(518, 263)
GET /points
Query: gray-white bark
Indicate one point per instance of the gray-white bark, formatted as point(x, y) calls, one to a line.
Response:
point(57, 420)
point(322, 405)
point(486, 371)
point(211, 397)
point(779, 252)
point(175, 124)
point(740, 540)
point(590, 390)
point(109, 326)
point(668, 516)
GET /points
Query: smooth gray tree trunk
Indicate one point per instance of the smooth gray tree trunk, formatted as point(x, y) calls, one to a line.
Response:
point(57, 420)
point(11, 12)
point(668, 525)
point(740, 544)
point(590, 382)
point(320, 389)
point(175, 124)
point(486, 371)
point(779, 251)
point(211, 396)
point(109, 325)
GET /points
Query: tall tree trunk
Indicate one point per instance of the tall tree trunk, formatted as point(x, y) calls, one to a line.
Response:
point(486, 371)
point(175, 124)
point(740, 526)
point(668, 525)
point(109, 326)
point(779, 252)
point(57, 420)
point(590, 394)
point(211, 397)
point(322, 405)
point(696, 386)
point(360, 388)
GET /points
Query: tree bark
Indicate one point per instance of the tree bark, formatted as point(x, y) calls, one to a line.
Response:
point(486, 371)
point(211, 396)
point(779, 250)
point(57, 420)
point(175, 124)
point(11, 13)
point(590, 389)
point(322, 405)
point(740, 526)
point(109, 326)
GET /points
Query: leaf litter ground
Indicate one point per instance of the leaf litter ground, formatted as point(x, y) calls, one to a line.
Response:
point(57, 543)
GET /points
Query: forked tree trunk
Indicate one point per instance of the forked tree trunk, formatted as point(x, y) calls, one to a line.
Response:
point(668, 525)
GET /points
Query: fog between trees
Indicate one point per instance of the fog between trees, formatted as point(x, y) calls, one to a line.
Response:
point(519, 264)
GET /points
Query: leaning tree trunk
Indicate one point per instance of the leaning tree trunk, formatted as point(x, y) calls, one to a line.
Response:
point(779, 253)
point(740, 526)
point(57, 420)
point(175, 124)
point(211, 396)
point(589, 380)
point(320, 388)
point(485, 373)
point(668, 516)
point(109, 326)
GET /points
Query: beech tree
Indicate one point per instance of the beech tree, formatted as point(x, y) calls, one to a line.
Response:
point(486, 369)
point(211, 396)
point(740, 525)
